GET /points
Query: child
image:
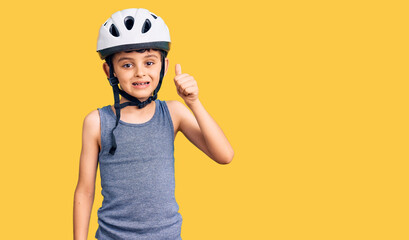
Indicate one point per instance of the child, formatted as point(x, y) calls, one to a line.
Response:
point(133, 140)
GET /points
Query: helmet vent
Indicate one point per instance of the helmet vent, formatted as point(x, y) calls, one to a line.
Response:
point(146, 26)
point(153, 15)
point(114, 31)
point(129, 21)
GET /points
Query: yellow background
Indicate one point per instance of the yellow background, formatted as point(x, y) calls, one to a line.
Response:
point(312, 95)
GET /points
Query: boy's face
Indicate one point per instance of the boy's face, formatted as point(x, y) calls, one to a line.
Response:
point(138, 73)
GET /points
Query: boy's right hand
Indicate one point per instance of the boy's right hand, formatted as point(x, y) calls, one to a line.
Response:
point(186, 86)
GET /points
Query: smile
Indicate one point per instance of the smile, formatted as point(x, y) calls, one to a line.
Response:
point(141, 83)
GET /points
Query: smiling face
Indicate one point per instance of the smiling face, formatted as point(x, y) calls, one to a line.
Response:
point(138, 73)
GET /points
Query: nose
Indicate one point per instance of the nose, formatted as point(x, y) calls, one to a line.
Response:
point(140, 72)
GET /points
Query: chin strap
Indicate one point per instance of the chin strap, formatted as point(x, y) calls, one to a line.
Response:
point(133, 101)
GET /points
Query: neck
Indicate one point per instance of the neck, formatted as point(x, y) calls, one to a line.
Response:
point(122, 100)
point(129, 109)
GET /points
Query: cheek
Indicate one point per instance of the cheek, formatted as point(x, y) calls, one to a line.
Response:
point(124, 75)
point(159, 70)
point(123, 79)
point(156, 74)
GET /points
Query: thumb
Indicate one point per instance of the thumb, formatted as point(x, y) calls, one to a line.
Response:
point(178, 69)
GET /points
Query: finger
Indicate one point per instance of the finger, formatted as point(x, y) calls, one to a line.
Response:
point(181, 89)
point(189, 90)
point(178, 69)
point(181, 76)
point(188, 84)
point(184, 79)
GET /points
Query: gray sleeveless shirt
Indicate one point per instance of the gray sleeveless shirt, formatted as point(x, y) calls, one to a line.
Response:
point(138, 183)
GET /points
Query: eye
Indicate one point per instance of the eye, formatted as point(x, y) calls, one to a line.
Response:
point(127, 65)
point(149, 63)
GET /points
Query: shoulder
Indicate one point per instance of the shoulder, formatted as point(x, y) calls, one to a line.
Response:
point(177, 108)
point(177, 111)
point(92, 117)
point(91, 125)
point(174, 105)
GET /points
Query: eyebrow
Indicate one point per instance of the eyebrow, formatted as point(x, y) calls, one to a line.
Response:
point(127, 58)
point(151, 55)
point(124, 58)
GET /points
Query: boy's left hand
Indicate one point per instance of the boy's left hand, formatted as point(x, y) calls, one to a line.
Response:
point(186, 86)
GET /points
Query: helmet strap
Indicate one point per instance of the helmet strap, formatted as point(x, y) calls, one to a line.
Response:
point(133, 101)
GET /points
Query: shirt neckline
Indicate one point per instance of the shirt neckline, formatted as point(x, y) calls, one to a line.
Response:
point(135, 124)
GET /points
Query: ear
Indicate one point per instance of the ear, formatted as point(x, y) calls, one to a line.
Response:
point(166, 65)
point(106, 69)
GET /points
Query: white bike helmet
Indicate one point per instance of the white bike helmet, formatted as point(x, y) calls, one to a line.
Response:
point(126, 30)
point(132, 29)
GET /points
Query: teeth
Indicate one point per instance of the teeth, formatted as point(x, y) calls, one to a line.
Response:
point(141, 83)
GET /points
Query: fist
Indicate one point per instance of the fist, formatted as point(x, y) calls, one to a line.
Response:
point(186, 86)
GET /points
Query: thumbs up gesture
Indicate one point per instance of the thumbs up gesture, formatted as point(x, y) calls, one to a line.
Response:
point(186, 86)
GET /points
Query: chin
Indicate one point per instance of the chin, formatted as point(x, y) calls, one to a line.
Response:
point(141, 94)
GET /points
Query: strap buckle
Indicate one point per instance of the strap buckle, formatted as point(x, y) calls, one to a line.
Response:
point(113, 81)
point(117, 106)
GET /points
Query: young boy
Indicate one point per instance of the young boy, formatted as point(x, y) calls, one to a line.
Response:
point(133, 140)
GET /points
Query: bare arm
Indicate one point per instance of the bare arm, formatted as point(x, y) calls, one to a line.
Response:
point(200, 128)
point(85, 190)
point(216, 142)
